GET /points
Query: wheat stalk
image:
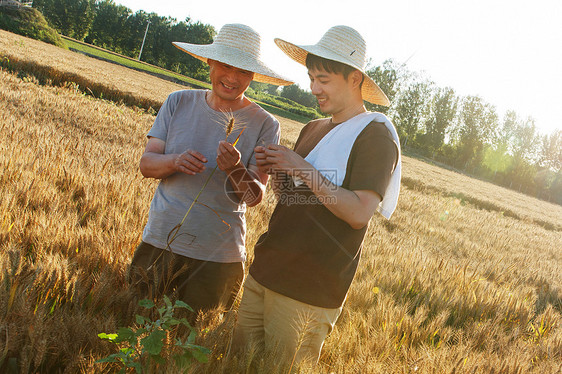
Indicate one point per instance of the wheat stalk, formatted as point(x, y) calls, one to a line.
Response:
point(229, 127)
point(304, 326)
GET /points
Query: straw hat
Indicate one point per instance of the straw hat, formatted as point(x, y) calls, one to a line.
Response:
point(239, 46)
point(342, 44)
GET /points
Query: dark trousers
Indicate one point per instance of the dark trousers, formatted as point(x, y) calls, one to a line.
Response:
point(200, 284)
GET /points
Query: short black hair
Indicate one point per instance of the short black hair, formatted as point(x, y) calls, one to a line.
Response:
point(330, 66)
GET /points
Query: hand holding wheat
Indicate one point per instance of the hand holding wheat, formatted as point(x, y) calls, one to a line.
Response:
point(228, 157)
point(229, 127)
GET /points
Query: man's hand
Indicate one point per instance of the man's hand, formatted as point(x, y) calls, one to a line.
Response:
point(279, 158)
point(154, 163)
point(261, 160)
point(190, 162)
point(228, 157)
point(248, 184)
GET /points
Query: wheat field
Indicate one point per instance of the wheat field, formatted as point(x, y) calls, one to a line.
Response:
point(465, 278)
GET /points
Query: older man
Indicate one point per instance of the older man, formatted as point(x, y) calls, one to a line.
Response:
point(200, 255)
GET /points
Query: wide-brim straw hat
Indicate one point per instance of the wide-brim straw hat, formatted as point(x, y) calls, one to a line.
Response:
point(239, 46)
point(342, 44)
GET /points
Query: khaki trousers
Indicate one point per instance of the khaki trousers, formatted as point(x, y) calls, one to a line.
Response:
point(292, 328)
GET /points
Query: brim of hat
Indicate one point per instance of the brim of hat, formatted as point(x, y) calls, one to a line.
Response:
point(236, 58)
point(370, 90)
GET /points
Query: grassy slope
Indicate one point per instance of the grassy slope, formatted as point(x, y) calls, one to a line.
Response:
point(451, 283)
point(131, 63)
point(29, 22)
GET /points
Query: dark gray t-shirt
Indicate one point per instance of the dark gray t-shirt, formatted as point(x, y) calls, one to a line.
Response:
point(185, 121)
point(307, 253)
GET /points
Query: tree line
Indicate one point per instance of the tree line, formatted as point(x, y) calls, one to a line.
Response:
point(466, 132)
point(115, 27)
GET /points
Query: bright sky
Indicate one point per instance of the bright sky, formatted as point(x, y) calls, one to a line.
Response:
point(509, 52)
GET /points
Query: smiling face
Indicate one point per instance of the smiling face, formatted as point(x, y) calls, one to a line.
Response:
point(329, 88)
point(228, 86)
point(336, 95)
point(337, 87)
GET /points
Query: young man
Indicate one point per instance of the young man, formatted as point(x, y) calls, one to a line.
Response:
point(201, 256)
point(341, 171)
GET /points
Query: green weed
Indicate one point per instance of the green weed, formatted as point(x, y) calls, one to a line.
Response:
point(146, 346)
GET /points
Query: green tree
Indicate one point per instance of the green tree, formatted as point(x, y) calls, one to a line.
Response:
point(158, 43)
point(82, 15)
point(69, 17)
point(134, 29)
point(498, 157)
point(525, 142)
point(524, 146)
point(506, 133)
point(107, 30)
point(442, 113)
point(115, 27)
point(388, 77)
point(411, 109)
point(475, 129)
point(189, 32)
point(551, 151)
point(298, 95)
point(265, 87)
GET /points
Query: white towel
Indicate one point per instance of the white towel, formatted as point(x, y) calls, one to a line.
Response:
point(331, 154)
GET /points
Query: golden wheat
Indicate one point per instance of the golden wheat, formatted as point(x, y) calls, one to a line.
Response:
point(452, 284)
point(61, 65)
point(70, 194)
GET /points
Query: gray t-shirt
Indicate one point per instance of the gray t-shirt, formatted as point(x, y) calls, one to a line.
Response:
point(185, 121)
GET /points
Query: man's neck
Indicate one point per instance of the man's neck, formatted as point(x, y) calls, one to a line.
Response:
point(219, 104)
point(348, 113)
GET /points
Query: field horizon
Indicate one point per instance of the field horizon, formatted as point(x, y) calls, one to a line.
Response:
point(465, 278)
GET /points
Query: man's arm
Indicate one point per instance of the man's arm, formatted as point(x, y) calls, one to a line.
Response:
point(154, 163)
point(354, 207)
point(249, 184)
